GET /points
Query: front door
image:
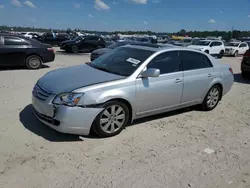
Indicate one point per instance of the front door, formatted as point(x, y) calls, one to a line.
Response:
point(197, 76)
point(163, 92)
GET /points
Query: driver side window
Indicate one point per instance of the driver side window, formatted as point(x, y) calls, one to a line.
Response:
point(167, 62)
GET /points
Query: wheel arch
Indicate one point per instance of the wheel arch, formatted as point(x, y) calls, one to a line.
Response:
point(128, 104)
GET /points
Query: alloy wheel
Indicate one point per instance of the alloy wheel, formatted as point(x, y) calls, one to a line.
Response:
point(213, 98)
point(34, 62)
point(112, 118)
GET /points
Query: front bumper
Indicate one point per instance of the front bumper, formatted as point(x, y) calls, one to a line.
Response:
point(65, 119)
point(229, 52)
point(93, 56)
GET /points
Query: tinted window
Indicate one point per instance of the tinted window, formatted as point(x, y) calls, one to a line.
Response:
point(122, 61)
point(194, 60)
point(14, 41)
point(167, 62)
point(217, 43)
point(243, 45)
point(93, 38)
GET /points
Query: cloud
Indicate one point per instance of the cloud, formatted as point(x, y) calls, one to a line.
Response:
point(16, 3)
point(101, 5)
point(211, 21)
point(140, 1)
point(156, 1)
point(248, 16)
point(145, 22)
point(1, 6)
point(90, 15)
point(32, 20)
point(30, 4)
point(77, 5)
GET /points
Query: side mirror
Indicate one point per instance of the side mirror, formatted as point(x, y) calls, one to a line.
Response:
point(211, 45)
point(151, 72)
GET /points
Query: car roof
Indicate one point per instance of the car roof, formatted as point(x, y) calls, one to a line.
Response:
point(153, 49)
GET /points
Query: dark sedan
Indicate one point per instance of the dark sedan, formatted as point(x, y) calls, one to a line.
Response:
point(83, 43)
point(19, 50)
point(95, 54)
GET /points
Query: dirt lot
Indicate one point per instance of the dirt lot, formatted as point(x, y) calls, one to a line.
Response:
point(163, 151)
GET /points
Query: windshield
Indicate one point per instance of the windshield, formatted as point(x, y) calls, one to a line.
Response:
point(117, 44)
point(234, 44)
point(202, 43)
point(186, 40)
point(122, 61)
point(78, 38)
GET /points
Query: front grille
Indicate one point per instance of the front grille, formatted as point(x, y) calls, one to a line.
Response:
point(47, 118)
point(40, 93)
point(227, 50)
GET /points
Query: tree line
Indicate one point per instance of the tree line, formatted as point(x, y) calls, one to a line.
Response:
point(224, 34)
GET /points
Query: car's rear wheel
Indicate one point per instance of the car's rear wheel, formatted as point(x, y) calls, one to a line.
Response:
point(75, 49)
point(236, 54)
point(34, 62)
point(244, 74)
point(112, 120)
point(212, 98)
point(221, 54)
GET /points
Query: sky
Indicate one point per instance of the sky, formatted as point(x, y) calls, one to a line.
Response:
point(113, 15)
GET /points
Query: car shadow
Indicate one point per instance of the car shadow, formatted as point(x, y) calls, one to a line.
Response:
point(238, 78)
point(7, 68)
point(30, 122)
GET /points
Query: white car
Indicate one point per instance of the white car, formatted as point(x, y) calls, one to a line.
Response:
point(29, 34)
point(212, 47)
point(236, 48)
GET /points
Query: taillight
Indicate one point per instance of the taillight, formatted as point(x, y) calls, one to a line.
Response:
point(51, 50)
point(231, 70)
point(247, 54)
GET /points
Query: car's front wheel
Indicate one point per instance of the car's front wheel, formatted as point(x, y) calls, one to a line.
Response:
point(34, 62)
point(236, 54)
point(221, 54)
point(75, 49)
point(212, 98)
point(244, 74)
point(112, 119)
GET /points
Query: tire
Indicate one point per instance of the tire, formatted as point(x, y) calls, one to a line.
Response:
point(34, 62)
point(106, 120)
point(221, 54)
point(206, 51)
point(75, 49)
point(236, 54)
point(244, 74)
point(212, 98)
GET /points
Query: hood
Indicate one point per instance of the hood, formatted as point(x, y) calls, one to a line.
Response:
point(196, 47)
point(68, 42)
point(101, 51)
point(71, 78)
point(231, 47)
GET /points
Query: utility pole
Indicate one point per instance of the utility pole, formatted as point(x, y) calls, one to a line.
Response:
point(232, 31)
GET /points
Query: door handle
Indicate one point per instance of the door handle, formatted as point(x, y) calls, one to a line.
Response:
point(178, 80)
point(210, 75)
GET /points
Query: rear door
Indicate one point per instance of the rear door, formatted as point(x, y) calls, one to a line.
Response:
point(14, 50)
point(197, 76)
point(243, 48)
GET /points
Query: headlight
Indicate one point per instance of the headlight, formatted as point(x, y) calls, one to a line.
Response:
point(69, 99)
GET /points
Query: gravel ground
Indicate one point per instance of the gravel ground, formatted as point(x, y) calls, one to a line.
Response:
point(162, 151)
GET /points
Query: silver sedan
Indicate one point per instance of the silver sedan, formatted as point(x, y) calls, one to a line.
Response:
point(128, 83)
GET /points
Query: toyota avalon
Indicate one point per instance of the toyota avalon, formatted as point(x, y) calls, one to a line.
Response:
point(128, 83)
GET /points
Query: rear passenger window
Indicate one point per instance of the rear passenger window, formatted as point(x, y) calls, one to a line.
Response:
point(194, 60)
point(167, 62)
point(14, 41)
